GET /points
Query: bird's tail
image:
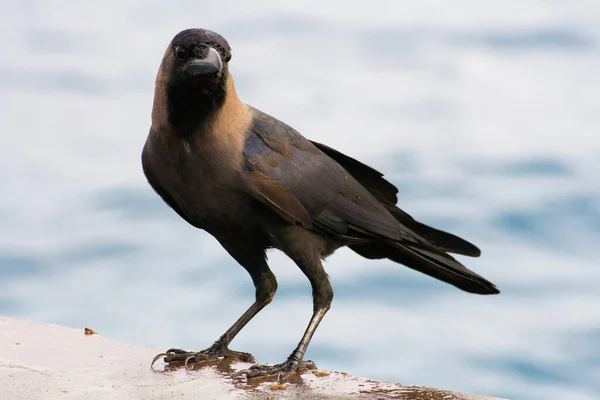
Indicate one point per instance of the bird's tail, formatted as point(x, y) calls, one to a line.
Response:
point(440, 239)
point(430, 261)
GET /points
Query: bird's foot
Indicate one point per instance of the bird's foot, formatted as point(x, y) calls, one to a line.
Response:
point(215, 352)
point(280, 371)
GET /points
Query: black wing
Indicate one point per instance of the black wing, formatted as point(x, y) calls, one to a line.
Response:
point(306, 186)
point(370, 178)
point(386, 193)
point(332, 198)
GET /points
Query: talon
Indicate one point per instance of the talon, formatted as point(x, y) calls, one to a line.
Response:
point(163, 355)
point(242, 372)
point(279, 371)
point(177, 356)
point(188, 358)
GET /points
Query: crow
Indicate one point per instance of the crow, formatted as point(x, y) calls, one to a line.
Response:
point(255, 183)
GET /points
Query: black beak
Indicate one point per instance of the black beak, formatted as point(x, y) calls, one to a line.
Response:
point(211, 64)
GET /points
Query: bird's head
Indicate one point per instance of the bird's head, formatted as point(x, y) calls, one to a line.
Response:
point(192, 79)
point(199, 58)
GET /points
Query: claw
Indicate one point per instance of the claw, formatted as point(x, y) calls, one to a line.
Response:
point(280, 371)
point(242, 372)
point(175, 355)
point(188, 358)
point(215, 353)
point(259, 370)
point(163, 355)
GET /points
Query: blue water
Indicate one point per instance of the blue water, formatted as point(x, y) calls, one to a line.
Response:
point(486, 118)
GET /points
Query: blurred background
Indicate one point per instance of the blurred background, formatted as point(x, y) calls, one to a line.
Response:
point(484, 114)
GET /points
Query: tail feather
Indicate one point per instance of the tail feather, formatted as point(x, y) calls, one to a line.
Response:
point(437, 265)
point(440, 239)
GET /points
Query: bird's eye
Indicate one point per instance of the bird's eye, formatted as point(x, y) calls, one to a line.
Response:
point(180, 53)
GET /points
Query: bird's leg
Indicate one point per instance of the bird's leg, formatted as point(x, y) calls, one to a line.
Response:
point(322, 297)
point(253, 260)
point(220, 347)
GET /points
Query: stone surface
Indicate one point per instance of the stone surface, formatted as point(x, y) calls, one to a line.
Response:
point(45, 361)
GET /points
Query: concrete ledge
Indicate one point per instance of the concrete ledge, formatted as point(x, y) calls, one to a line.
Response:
point(45, 361)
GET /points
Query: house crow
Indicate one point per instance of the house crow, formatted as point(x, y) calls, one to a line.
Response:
point(255, 183)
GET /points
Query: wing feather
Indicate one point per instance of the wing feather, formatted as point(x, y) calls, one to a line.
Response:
point(332, 198)
point(279, 199)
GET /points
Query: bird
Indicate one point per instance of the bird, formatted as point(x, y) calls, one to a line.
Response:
point(255, 183)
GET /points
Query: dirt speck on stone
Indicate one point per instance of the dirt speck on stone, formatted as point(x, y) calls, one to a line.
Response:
point(89, 331)
point(277, 386)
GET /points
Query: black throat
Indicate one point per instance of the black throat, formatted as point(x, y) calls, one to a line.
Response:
point(192, 103)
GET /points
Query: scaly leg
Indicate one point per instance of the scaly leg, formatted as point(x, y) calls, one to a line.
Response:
point(254, 261)
point(322, 297)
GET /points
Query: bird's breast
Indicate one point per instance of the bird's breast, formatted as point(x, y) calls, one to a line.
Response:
point(205, 182)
